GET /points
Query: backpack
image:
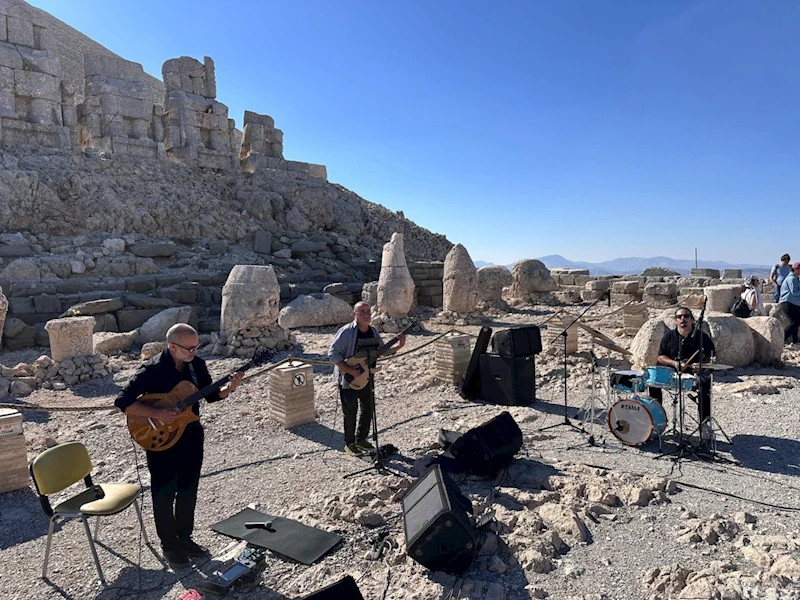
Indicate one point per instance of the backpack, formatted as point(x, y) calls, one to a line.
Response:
point(740, 309)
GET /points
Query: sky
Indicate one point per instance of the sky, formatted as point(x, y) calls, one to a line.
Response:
point(594, 129)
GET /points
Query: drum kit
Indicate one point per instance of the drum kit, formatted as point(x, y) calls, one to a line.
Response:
point(635, 418)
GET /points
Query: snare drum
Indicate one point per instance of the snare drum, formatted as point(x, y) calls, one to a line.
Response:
point(659, 377)
point(637, 419)
point(627, 381)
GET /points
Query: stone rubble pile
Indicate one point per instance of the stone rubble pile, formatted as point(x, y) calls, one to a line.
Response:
point(44, 372)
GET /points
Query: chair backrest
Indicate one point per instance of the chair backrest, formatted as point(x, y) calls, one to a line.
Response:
point(59, 467)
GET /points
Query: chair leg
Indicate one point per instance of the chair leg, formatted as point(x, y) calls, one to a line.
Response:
point(47, 548)
point(141, 521)
point(94, 550)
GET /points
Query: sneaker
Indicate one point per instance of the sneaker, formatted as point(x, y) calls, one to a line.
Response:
point(177, 559)
point(365, 445)
point(193, 549)
point(353, 450)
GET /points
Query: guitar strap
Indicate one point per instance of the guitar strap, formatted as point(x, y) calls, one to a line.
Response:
point(193, 375)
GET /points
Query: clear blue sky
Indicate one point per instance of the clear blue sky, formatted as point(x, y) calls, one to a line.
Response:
point(594, 129)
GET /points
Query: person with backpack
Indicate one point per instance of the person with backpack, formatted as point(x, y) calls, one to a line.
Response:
point(790, 303)
point(752, 298)
point(777, 275)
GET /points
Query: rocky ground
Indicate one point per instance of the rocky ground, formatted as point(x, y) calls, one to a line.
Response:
point(572, 520)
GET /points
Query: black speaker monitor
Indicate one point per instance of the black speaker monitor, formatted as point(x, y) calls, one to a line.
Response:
point(510, 381)
point(436, 520)
point(518, 341)
point(485, 449)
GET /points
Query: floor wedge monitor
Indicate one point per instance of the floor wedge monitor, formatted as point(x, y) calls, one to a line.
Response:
point(518, 341)
point(487, 448)
point(438, 529)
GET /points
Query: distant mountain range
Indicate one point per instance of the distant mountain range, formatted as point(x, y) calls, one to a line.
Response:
point(635, 265)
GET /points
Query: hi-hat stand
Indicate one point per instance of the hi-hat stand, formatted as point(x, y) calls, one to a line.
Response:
point(588, 408)
point(563, 334)
point(370, 349)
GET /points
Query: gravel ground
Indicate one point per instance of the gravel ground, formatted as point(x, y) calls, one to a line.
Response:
point(250, 460)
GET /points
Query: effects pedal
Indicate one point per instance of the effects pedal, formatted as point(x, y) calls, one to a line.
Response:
point(222, 581)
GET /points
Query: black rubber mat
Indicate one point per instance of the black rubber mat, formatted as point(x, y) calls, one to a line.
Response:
point(286, 537)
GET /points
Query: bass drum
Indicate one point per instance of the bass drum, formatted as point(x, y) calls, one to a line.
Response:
point(637, 419)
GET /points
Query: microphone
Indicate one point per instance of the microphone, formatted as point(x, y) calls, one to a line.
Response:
point(699, 324)
point(259, 525)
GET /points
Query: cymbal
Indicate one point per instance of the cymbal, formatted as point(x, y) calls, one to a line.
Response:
point(612, 346)
point(716, 367)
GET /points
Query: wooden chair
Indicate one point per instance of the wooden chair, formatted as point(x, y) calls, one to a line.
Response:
point(58, 468)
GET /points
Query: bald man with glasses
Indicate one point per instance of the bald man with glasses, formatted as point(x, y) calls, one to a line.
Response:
point(174, 472)
point(680, 349)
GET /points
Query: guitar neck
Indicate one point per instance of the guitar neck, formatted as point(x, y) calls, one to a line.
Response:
point(388, 345)
point(193, 399)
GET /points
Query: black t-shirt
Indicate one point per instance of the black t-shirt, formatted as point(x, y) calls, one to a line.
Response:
point(671, 346)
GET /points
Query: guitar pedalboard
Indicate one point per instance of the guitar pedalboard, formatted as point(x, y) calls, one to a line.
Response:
point(234, 570)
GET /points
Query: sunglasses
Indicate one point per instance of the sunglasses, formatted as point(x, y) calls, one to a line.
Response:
point(679, 317)
point(190, 349)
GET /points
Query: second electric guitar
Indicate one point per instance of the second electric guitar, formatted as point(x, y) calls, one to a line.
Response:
point(360, 362)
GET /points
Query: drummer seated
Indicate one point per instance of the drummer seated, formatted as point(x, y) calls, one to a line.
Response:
point(680, 349)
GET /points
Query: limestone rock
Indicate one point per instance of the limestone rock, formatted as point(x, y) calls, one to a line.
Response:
point(767, 339)
point(107, 342)
point(530, 276)
point(644, 348)
point(21, 269)
point(460, 281)
point(156, 327)
point(659, 272)
point(315, 310)
point(733, 340)
point(491, 281)
point(395, 284)
point(94, 307)
point(721, 297)
point(565, 521)
point(150, 349)
point(70, 337)
point(250, 298)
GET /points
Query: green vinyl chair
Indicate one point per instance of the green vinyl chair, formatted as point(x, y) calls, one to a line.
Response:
point(57, 469)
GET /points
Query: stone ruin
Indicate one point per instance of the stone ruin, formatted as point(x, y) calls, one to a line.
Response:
point(35, 104)
point(395, 294)
point(117, 115)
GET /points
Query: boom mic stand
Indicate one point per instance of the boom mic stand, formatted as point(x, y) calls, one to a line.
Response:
point(563, 334)
point(370, 349)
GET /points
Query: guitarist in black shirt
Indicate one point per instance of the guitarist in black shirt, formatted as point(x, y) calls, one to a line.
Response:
point(175, 472)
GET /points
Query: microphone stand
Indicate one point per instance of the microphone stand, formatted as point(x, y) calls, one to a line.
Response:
point(563, 334)
point(372, 353)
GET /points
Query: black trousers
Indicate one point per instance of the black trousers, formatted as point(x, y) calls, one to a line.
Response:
point(702, 385)
point(351, 399)
point(793, 312)
point(174, 478)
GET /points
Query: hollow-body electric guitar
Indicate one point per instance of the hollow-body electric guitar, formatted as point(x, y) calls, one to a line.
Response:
point(153, 435)
point(361, 365)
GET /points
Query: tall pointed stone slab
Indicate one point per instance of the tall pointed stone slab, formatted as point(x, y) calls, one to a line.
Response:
point(250, 298)
point(395, 285)
point(460, 281)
